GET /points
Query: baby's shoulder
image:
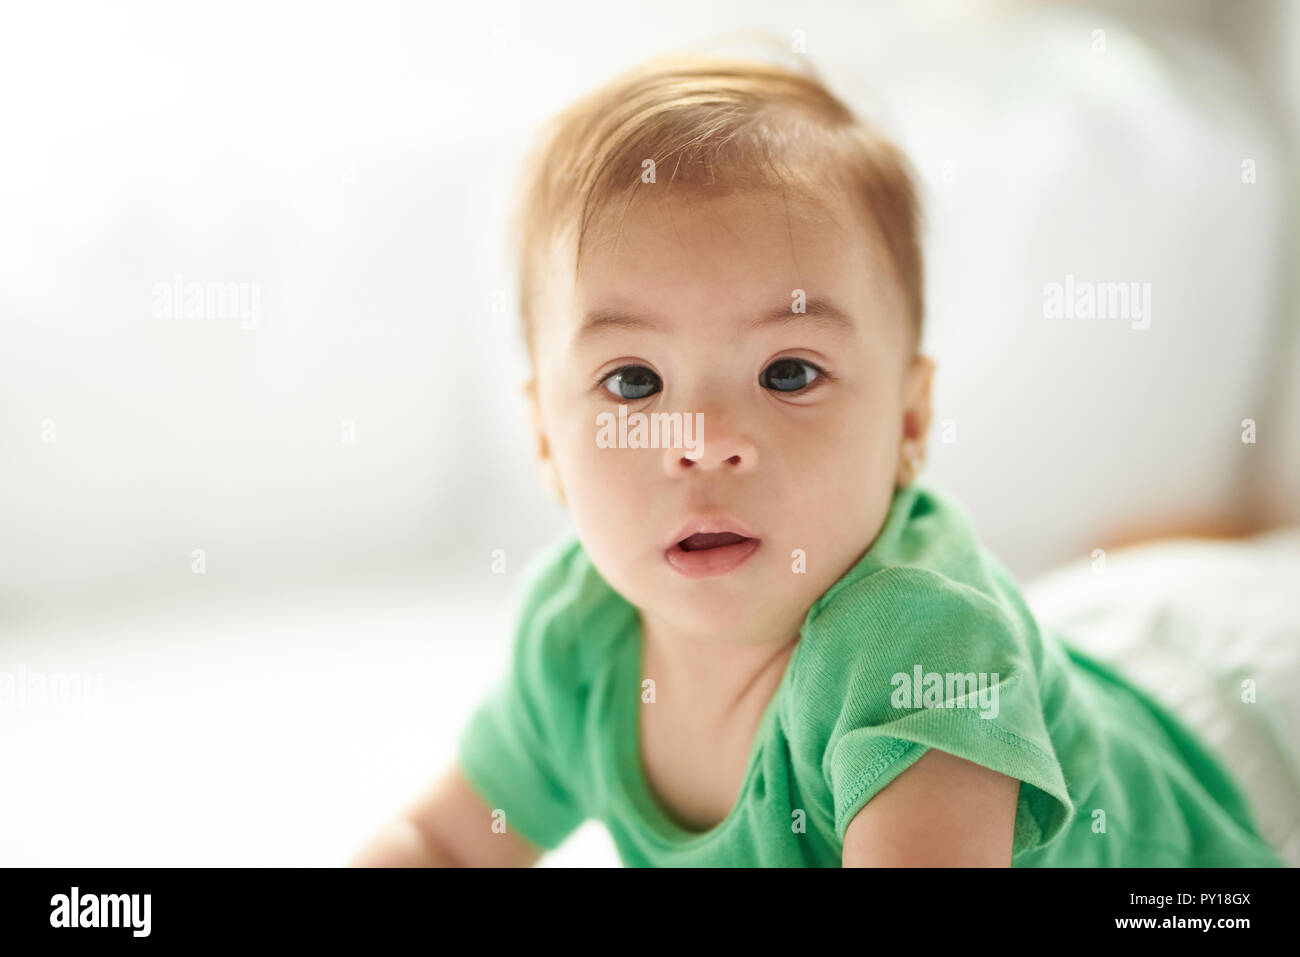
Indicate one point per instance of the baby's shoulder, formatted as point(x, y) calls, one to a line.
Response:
point(911, 657)
point(907, 627)
point(899, 612)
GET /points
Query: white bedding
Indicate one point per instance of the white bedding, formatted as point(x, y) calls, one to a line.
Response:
point(1190, 621)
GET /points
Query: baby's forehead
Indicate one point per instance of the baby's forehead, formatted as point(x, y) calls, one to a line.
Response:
point(713, 255)
point(709, 263)
point(699, 219)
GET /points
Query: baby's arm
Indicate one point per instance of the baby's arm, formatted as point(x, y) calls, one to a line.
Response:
point(448, 826)
point(943, 811)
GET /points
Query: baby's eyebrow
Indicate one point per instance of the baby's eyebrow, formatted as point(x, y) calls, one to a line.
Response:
point(818, 310)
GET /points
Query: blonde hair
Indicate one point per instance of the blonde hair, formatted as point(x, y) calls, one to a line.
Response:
point(716, 124)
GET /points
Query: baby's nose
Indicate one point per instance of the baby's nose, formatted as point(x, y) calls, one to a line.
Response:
point(712, 442)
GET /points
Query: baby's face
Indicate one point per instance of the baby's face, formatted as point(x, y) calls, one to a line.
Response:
point(804, 461)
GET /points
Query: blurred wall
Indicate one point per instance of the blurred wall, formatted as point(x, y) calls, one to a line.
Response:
point(344, 167)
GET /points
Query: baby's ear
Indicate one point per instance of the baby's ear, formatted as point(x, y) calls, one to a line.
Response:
point(916, 397)
point(546, 464)
point(916, 417)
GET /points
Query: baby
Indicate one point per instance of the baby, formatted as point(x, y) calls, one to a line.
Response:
point(765, 643)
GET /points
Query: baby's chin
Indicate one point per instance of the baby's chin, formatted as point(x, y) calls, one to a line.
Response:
point(754, 603)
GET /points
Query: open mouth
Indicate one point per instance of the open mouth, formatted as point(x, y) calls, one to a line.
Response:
point(708, 554)
point(703, 540)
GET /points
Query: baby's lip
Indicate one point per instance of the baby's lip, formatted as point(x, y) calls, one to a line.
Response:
point(709, 524)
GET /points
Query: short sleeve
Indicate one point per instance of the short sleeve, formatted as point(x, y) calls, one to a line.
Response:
point(908, 660)
point(518, 747)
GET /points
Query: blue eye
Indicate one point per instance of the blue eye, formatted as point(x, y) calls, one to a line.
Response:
point(789, 375)
point(637, 379)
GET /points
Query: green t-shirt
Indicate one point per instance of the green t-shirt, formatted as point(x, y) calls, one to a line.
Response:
point(924, 643)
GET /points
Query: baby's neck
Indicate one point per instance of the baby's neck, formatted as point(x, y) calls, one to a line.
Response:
point(722, 677)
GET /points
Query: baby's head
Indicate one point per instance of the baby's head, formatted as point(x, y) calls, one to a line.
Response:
point(722, 240)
